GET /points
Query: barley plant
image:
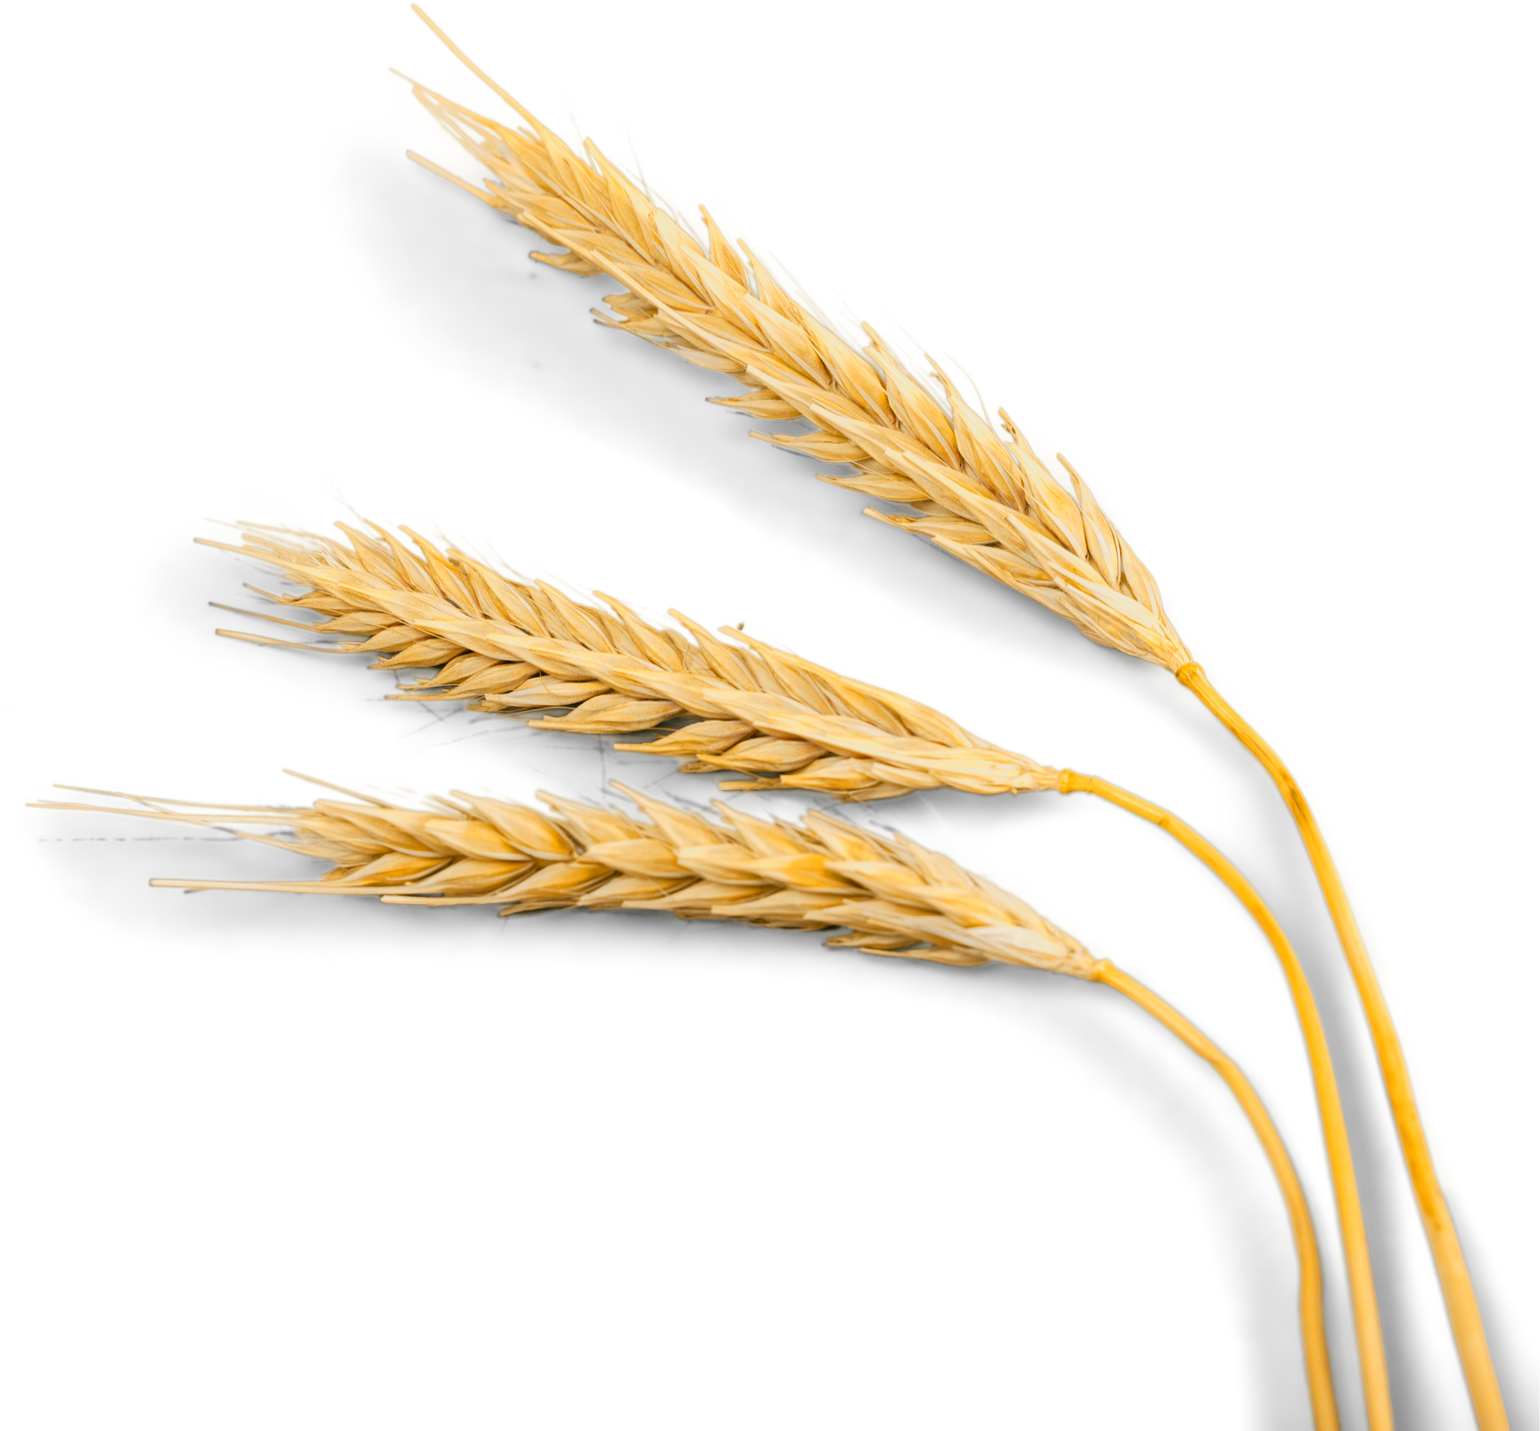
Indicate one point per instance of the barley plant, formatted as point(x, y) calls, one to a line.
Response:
point(879, 893)
point(985, 499)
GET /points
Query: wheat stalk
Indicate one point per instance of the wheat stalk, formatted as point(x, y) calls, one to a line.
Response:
point(513, 645)
point(442, 593)
point(988, 502)
point(889, 894)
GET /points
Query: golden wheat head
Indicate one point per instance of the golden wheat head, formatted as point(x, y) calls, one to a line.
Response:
point(988, 501)
point(891, 895)
point(512, 645)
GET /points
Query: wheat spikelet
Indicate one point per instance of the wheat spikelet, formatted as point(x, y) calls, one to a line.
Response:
point(988, 501)
point(511, 645)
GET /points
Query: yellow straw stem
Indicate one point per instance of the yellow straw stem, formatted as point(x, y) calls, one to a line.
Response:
point(1453, 1275)
point(1339, 1151)
point(1312, 1315)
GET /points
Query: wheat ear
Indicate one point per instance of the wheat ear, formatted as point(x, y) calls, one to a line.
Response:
point(333, 572)
point(991, 503)
point(988, 501)
point(515, 646)
point(891, 895)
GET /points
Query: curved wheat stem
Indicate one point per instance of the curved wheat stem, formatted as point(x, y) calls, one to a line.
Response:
point(988, 502)
point(889, 894)
point(1438, 1224)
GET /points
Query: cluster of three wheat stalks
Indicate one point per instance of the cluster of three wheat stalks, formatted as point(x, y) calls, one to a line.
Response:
point(990, 503)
